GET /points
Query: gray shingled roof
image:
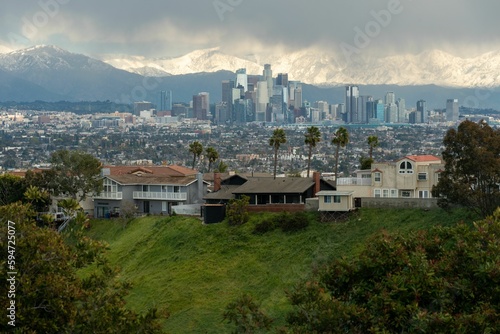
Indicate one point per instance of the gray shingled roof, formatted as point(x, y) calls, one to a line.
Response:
point(281, 185)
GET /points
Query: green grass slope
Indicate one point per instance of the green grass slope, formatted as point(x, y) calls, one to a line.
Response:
point(195, 270)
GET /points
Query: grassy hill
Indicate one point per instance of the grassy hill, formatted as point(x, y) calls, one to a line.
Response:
point(195, 270)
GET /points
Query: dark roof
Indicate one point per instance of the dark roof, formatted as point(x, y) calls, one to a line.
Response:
point(281, 185)
point(171, 170)
point(225, 193)
point(132, 179)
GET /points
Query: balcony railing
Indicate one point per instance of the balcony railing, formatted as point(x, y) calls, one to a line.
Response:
point(117, 196)
point(354, 181)
point(160, 195)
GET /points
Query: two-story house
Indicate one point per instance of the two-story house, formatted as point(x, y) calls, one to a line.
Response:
point(412, 176)
point(152, 189)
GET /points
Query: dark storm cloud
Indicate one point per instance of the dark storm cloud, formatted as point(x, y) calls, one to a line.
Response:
point(157, 28)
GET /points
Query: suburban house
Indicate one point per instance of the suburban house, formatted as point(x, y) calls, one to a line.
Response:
point(151, 189)
point(412, 176)
point(265, 193)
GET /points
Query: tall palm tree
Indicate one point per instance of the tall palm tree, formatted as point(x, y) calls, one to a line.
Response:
point(373, 142)
point(278, 138)
point(212, 156)
point(196, 148)
point(340, 139)
point(312, 137)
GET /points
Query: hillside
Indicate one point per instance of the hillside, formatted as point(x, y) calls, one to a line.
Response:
point(195, 270)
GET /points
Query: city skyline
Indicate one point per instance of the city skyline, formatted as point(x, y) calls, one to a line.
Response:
point(172, 28)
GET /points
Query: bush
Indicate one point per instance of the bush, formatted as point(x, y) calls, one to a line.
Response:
point(293, 222)
point(267, 225)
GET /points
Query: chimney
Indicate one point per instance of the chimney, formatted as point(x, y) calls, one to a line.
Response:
point(217, 182)
point(317, 183)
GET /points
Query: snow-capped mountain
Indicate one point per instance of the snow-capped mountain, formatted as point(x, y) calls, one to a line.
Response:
point(319, 68)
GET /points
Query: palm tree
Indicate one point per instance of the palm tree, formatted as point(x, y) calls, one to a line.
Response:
point(340, 139)
point(278, 138)
point(212, 156)
point(312, 137)
point(373, 142)
point(196, 148)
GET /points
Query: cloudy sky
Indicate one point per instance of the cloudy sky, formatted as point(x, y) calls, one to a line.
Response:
point(161, 28)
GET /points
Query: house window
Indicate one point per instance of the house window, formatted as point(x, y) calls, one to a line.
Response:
point(376, 193)
point(405, 168)
point(177, 189)
point(327, 199)
point(394, 193)
point(385, 192)
point(164, 206)
point(422, 176)
point(423, 194)
point(438, 176)
point(378, 177)
point(405, 193)
point(145, 188)
point(336, 199)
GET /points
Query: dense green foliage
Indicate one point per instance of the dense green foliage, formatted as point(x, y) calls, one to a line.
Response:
point(340, 139)
point(73, 173)
point(246, 315)
point(312, 138)
point(196, 149)
point(196, 270)
point(446, 280)
point(49, 295)
point(237, 211)
point(12, 188)
point(472, 174)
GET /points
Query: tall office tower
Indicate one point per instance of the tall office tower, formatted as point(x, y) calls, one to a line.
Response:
point(268, 76)
point(292, 85)
point(323, 107)
point(362, 108)
point(401, 103)
point(242, 79)
point(298, 97)
point(422, 115)
point(282, 79)
point(339, 111)
point(390, 97)
point(452, 111)
point(351, 104)
point(201, 106)
point(391, 113)
point(262, 101)
point(227, 94)
point(165, 100)
point(379, 109)
point(221, 113)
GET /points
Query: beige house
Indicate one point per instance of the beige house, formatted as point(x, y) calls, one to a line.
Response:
point(339, 201)
point(410, 177)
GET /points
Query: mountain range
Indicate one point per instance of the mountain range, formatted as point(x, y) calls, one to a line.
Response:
point(52, 74)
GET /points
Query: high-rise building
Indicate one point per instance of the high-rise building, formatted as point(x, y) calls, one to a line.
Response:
point(391, 113)
point(242, 79)
point(165, 100)
point(401, 103)
point(262, 101)
point(452, 111)
point(141, 106)
point(351, 104)
point(268, 76)
point(422, 114)
point(282, 79)
point(201, 106)
point(390, 97)
point(379, 109)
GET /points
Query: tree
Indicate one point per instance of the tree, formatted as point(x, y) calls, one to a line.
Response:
point(444, 280)
point(247, 316)
point(365, 163)
point(51, 296)
point(76, 173)
point(12, 188)
point(472, 168)
point(340, 139)
point(221, 167)
point(278, 138)
point(212, 156)
point(312, 137)
point(39, 199)
point(196, 149)
point(237, 211)
point(373, 142)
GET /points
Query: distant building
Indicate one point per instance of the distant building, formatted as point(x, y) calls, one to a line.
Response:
point(422, 114)
point(452, 111)
point(141, 106)
point(351, 104)
point(201, 106)
point(242, 79)
point(165, 100)
point(390, 97)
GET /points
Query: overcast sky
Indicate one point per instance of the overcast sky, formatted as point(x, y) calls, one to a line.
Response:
point(161, 28)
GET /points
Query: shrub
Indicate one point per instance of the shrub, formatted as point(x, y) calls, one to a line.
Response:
point(267, 225)
point(293, 222)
